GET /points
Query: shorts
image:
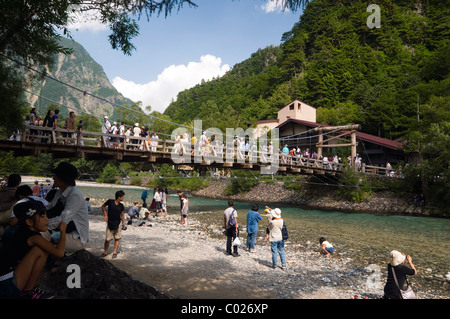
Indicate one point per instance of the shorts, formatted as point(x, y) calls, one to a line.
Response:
point(158, 205)
point(113, 234)
point(8, 288)
point(330, 249)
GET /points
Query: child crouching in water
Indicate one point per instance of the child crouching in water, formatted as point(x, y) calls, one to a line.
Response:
point(23, 257)
point(326, 248)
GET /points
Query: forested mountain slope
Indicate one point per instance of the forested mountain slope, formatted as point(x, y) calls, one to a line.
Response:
point(383, 78)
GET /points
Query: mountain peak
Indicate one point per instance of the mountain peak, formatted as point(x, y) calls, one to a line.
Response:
point(76, 75)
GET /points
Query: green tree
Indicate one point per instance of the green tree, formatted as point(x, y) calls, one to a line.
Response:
point(90, 123)
point(342, 114)
point(430, 140)
point(109, 174)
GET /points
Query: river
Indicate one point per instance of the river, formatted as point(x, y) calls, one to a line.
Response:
point(362, 238)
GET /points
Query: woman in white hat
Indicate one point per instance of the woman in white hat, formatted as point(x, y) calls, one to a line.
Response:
point(276, 237)
point(391, 291)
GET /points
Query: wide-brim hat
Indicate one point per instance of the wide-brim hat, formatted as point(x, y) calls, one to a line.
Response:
point(396, 258)
point(67, 172)
point(276, 213)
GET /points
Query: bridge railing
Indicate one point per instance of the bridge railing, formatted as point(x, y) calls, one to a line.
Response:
point(220, 153)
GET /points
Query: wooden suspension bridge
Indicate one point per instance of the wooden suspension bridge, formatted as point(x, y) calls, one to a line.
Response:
point(64, 143)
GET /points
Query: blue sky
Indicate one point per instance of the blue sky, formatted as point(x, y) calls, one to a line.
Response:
point(177, 52)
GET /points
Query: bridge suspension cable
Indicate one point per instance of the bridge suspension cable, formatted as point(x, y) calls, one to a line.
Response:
point(285, 138)
point(92, 95)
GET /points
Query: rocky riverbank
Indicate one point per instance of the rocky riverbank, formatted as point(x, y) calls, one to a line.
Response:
point(167, 260)
point(325, 198)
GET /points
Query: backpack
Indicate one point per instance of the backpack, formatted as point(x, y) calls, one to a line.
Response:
point(231, 220)
point(284, 232)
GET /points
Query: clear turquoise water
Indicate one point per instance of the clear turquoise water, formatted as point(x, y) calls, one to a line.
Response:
point(365, 238)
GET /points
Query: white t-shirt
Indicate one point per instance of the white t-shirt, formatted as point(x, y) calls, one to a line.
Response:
point(228, 212)
point(185, 206)
point(106, 126)
point(326, 244)
point(158, 196)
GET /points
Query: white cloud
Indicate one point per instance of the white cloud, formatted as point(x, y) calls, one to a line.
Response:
point(87, 21)
point(175, 78)
point(274, 6)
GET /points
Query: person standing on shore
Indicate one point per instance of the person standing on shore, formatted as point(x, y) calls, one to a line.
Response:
point(180, 196)
point(184, 209)
point(391, 290)
point(158, 199)
point(231, 228)
point(253, 218)
point(276, 238)
point(115, 220)
point(36, 189)
point(144, 196)
point(165, 196)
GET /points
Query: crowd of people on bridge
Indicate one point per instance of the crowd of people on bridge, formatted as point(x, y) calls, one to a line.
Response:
point(51, 121)
point(119, 135)
point(125, 133)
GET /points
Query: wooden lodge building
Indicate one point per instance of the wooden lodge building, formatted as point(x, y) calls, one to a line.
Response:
point(296, 123)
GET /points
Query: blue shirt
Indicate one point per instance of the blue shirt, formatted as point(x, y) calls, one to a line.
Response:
point(133, 211)
point(253, 219)
point(285, 150)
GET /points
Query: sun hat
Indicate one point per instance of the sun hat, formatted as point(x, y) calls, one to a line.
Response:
point(276, 213)
point(67, 172)
point(397, 258)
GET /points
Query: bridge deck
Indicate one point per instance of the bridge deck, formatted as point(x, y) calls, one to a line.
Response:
point(63, 143)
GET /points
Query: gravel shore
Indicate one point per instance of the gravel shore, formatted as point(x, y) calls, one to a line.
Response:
point(185, 262)
point(188, 263)
point(171, 261)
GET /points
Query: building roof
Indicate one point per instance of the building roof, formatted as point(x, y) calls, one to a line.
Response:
point(298, 102)
point(267, 121)
point(362, 136)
